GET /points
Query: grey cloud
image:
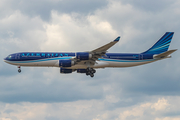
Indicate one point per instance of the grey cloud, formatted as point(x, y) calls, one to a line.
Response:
point(139, 28)
point(9, 111)
point(43, 8)
point(129, 85)
point(51, 118)
point(141, 25)
point(156, 80)
point(33, 88)
point(150, 6)
point(170, 114)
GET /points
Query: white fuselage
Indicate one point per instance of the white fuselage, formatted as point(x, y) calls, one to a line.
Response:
point(101, 63)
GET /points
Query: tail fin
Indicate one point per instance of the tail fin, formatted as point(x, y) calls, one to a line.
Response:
point(161, 45)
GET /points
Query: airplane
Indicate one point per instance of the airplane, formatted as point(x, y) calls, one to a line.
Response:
point(87, 62)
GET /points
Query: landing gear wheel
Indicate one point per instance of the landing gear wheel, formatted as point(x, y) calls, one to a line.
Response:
point(90, 71)
point(87, 73)
point(92, 75)
point(19, 70)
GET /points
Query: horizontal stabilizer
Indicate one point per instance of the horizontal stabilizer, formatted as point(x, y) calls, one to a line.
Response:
point(164, 55)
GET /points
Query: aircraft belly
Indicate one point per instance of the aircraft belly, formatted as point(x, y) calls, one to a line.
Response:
point(101, 64)
point(51, 63)
point(127, 64)
point(98, 64)
point(77, 67)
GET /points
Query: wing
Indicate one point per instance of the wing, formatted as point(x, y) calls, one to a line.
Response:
point(99, 52)
point(95, 54)
point(107, 46)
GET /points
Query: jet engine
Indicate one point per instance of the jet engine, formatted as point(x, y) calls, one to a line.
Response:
point(81, 70)
point(66, 63)
point(83, 55)
point(66, 71)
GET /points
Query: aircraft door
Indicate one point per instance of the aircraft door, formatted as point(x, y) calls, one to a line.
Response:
point(141, 57)
point(17, 56)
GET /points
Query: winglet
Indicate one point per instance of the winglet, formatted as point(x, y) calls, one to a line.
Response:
point(117, 39)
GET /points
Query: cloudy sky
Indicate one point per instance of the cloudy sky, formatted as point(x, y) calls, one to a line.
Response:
point(150, 92)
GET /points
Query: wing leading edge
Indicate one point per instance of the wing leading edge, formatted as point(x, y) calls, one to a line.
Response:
point(107, 46)
point(97, 53)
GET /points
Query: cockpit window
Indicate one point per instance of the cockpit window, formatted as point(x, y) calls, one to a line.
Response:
point(9, 56)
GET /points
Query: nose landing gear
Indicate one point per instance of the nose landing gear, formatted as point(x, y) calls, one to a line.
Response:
point(90, 71)
point(19, 70)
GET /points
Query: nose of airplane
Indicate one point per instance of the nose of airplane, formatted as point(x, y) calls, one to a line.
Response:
point(5, 59)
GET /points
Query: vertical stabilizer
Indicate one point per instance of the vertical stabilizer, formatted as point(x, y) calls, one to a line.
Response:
point(161, 45)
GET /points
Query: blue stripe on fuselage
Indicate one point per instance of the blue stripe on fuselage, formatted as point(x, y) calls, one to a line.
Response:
point(26, 56)
point(29, 57)
point(119, 60)
point(41, 60)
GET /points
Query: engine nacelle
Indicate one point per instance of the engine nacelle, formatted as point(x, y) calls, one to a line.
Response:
point(81, 70)
point(155, 56)
point(66, 71)
point(83, 55)
point(66, 63)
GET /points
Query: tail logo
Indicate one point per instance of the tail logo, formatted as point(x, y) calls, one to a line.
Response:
point(161, 45)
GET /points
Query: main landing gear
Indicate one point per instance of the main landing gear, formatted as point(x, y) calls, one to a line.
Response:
point(19, 70)
point(90, 71)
